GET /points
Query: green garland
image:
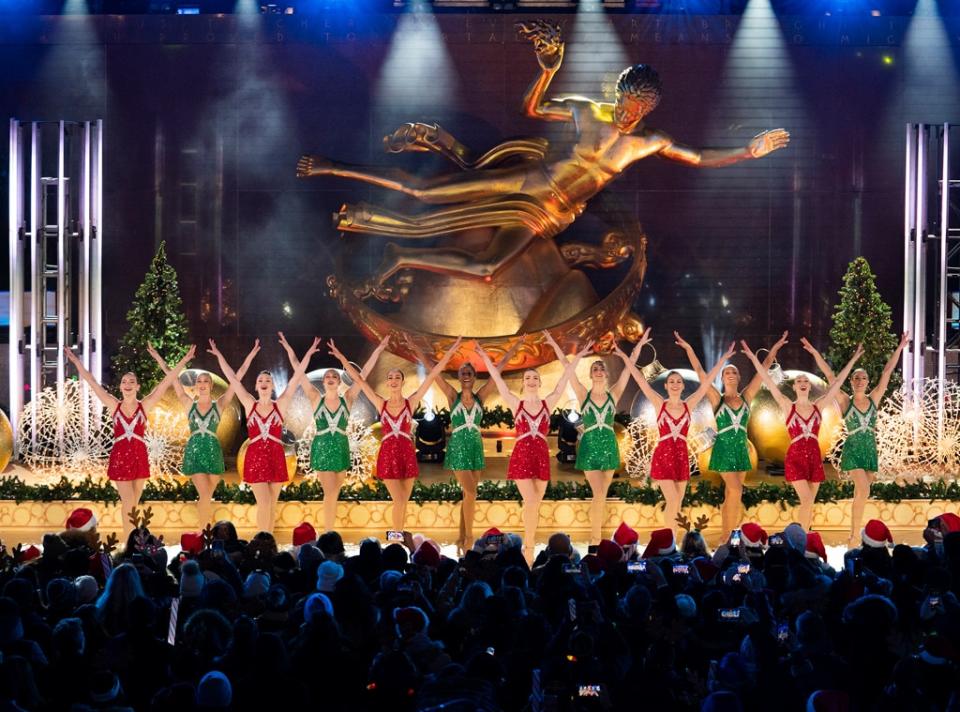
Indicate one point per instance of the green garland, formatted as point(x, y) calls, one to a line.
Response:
point(308, 490)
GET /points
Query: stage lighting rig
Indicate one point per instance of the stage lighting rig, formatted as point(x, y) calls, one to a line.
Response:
point(567, 435)
point(431, 438)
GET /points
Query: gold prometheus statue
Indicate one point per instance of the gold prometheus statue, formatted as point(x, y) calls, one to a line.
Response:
point(518, 193)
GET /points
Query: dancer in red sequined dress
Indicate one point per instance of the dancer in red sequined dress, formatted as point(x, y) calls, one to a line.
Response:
point(264, 463)
point(129, 467)
point(397, 459)
point(670, 467)
point(804, 461)
point(529, 463)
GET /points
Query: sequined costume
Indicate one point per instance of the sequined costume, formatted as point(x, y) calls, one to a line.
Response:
point(330, 449)
point(803, 460)
point(730, 452)
point(203, 455)
point(530, 459)
point(671, 460)
point(465, 446)
point(397, 459)
point(265, 460)
point(598, 448)
point(860, 446)
point(128, 456)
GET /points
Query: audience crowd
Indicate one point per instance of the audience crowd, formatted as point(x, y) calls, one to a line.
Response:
point(761, 623)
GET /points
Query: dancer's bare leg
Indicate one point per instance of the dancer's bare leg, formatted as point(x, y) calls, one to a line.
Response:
point(730, 510)
point(264, 497)
point(332, 482)
point(861, 493)
point(400, 491)
point(807, 492)
point(468, 479)
point(129, 491)
point(531, 493)
point(205, 485)
point(599, 481)
point(673, 491)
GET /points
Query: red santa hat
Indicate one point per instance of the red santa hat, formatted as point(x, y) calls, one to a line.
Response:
point(625, 536)
point(815, 546)
point(304, 533)
point(30, 553)
point(876, 534)
point(192, 542)
point(951, 521)
point(661, 543)
point(81, 519)
point(492, 531)
point(427, 554)
point(609, 552)
point(753, 534)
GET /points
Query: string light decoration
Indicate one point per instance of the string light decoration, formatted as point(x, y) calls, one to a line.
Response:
point(911, 443)
point(53, 441)
point(166, 438)
point(644, 436)
point(363, 451)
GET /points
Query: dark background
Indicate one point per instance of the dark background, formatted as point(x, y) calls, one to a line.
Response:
point(206, 116)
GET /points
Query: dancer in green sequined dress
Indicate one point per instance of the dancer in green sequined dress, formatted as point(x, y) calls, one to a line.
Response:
point(203, 456)
point(598, 454)
point(731, 453)
point(859, 456)
point(464, 451)
point(330, 449)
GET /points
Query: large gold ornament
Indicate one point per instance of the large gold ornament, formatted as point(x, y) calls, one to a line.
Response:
point(170, 416)
point(498, 271)
point(767, 428)
point(6, 441)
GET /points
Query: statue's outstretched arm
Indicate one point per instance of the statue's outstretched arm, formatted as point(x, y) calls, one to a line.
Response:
point(548, 45)
point(759, 146)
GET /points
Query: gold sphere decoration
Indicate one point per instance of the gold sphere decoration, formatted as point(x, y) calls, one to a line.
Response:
point(6, 441)
point(291, 457)
point(624, 442)
point(767, 428)
point(169, 411)
point(703, 459)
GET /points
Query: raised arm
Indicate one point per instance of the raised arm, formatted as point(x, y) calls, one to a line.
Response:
point(246, 400)
point(509, 399)
point(548, 45)
point(374, 397)
point(489, 387)
point(434, 373)
point(354, 390)
point(759, 146)
point(617, 389)
point(171, 375)
point(449, 392)
point(99, 391)
point(707, 383)
point(185, 400)
point(781, 399)
point(655, 398)
point(877, 393)
point(285, 398)
point(842, 398)
point(712, 393)
point(224, 400)
point(750, 392)
point(841, 378)
point(579, 390)
point(311, 391)
point(568, 375)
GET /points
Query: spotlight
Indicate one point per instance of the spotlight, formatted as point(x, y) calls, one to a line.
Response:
point(567, 435)
point(431, 438)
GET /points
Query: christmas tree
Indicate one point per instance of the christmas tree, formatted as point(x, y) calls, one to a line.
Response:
point(862, 317)
point(156, 317)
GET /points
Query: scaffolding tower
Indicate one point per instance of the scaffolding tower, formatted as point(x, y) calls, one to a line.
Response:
point(55, 238)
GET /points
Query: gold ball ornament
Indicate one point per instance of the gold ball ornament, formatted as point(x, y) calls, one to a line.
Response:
point(703, 459)
point(6, 441)
point(624, 443)
point(767, 428)
point(169, 414)
point(289, 453)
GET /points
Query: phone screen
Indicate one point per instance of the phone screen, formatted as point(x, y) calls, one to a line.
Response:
point(729, 614)
point(636, 567)
point(735, 538)
point(743, 568)
point(394, 535)
point(589, 690)
point(682, 569)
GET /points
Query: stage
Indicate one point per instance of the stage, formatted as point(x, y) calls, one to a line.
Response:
point(28, 521)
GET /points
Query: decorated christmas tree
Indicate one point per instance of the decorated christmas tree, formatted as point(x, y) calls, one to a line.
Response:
point(862, 317)
point(156, 317)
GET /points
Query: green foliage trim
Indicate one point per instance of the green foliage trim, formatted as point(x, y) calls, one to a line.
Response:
point(308, 490)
